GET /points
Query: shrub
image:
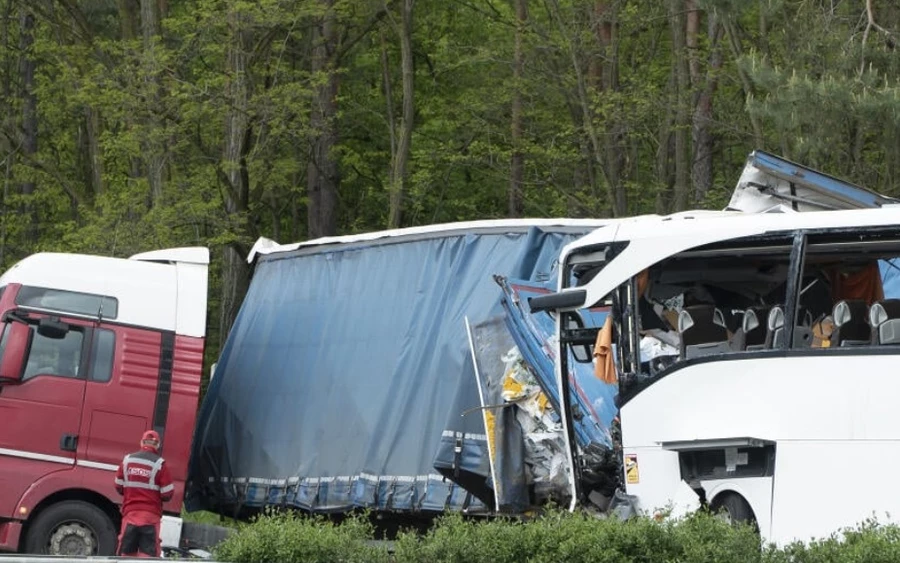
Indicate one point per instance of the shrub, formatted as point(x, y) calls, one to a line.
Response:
point(560, 536)
point(288, 536)
point(551, 537)
point(869, 542)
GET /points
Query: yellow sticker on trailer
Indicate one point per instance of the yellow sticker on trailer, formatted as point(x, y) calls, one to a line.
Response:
point(632, 476)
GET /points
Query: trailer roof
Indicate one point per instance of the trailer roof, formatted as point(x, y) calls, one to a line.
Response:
point(265, 246)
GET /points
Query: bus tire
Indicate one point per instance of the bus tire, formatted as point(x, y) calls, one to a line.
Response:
point(72, 528)
point(733, 508)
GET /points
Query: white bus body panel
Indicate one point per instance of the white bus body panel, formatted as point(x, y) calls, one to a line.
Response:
point(833, 419)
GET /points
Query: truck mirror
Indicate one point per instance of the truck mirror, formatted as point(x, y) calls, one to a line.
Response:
point(53, 328)
point(16, 345)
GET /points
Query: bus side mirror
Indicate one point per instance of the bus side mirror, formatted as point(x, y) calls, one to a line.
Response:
point(16, 345)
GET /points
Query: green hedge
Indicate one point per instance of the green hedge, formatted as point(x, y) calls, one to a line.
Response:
point(554, 537)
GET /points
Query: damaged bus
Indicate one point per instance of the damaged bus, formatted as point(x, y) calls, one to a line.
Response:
point(752, 353)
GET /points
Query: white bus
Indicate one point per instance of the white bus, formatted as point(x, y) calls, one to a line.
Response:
point(757, 358)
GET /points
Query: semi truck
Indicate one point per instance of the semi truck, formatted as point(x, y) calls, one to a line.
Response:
point(95, 351)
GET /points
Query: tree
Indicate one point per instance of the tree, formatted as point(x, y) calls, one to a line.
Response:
point(154, 139)
point(234, 164)
point(29, 123)
point(682, 106)
point(323, 178)
point(703, 85)
point(400, 158)
point(517, 162)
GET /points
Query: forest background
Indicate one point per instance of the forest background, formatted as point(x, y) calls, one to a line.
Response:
point(133, 125)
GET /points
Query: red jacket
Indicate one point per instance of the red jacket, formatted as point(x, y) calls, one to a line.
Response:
point(144, 481)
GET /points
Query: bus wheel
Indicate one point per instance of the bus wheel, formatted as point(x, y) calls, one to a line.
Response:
point(732, 508)
point(71, 528)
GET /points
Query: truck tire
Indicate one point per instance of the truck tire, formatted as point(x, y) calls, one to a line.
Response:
point(733, 508)
point(71, 528)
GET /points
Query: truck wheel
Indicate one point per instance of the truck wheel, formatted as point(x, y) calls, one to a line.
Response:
point(732, 508)
point(72, 528)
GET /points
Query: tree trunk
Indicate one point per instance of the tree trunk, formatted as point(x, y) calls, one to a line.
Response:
point(682, 156)
point(388, 96)
point(92, 154)
point(691, 39)
point(29, 128)
point(9, 123)
point(153, 145)
point(606, 31)
point(399, 174)
point(322, 172)
point(235, 274)
point(584, 101)
point(664, 177)
point(702, 165)
point(734, 43)
point(149, 22)
point(128, 19)
point(517, 162)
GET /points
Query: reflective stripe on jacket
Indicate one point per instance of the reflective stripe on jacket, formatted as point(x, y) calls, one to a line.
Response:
point(144, 481)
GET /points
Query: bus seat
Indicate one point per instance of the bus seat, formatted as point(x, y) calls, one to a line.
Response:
point(884, 318)
point(703, 331)
point(752, 333)
point(851, 326)
point(775, 329)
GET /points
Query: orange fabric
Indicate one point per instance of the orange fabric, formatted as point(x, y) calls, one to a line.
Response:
point(604, 369)
point(643, 279)
point(863, 284)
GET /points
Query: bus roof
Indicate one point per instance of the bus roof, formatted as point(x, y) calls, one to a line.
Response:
point(652, 239)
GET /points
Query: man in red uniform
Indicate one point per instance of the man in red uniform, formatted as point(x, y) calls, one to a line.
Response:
point(144, 482)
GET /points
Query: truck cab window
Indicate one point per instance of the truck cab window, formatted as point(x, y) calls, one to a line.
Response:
point(49, 356)
point(68, 301)
point(102, 352)
point(3, 338)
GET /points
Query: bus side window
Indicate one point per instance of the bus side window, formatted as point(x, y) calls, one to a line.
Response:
point(850, 291)
point(712, 300)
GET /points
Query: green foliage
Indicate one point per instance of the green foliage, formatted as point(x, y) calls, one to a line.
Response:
point(548, 538)
point(870, 542)
point(560, 536)
point(210, 518)
point(275, 537)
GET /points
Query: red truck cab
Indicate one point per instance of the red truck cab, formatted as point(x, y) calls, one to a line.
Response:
point(93, 352)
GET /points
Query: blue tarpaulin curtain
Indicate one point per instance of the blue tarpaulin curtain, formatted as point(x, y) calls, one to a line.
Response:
point(345, 374)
